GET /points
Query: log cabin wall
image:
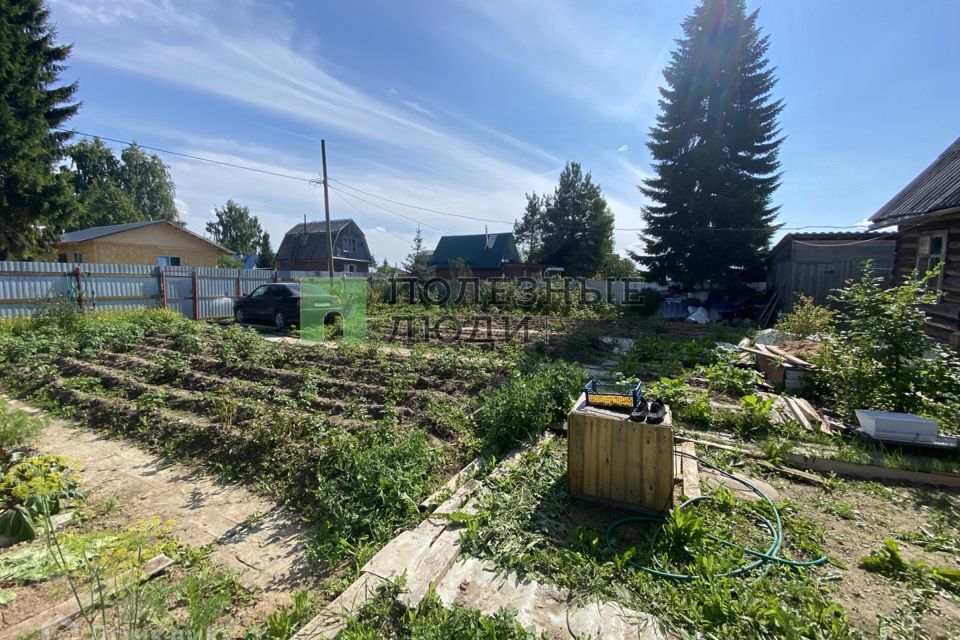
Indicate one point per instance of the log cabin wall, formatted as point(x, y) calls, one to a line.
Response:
point(943, 318)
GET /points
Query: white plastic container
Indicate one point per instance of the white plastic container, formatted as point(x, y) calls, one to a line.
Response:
point(902, 427)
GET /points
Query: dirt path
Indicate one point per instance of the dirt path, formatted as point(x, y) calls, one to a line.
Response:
point(250, 534)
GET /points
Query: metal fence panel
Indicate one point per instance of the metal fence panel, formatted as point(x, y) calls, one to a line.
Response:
point(25, 286)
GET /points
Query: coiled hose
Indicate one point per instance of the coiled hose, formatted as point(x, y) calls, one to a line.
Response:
point(765, 558)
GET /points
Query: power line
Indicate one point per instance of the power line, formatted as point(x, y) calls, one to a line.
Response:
point(365, 216)
point(312, 181)
point(374, 204)
point(316, 181)
point(414, 206)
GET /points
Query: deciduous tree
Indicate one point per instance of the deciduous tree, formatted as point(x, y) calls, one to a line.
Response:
point(147, 181)
point(236, 229)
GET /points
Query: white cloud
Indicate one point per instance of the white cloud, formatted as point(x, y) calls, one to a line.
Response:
point(608, 63)
point(455, 164)
point(623, 147)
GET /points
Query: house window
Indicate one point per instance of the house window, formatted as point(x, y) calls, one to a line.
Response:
point(62, 258)
point(351, 268)
point(931, 251)
point(78, 256)
point(349, 244)
point(168, 261)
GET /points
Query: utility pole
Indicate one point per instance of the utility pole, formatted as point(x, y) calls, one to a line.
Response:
point(326, 208)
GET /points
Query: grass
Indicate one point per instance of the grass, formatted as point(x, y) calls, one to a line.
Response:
point(527, 522)
point(383, 617)
point(17, 427)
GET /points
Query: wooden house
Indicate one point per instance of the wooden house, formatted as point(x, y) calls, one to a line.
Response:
point(304, 248)
point(927, 215)
point(150, 242)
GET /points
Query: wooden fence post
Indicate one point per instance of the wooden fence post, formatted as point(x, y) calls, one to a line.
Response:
point(79, 276)
point(196, 295)
point(163, 287)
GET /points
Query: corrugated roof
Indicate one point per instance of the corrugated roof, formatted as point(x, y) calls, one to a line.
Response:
point(935, 189)
point(92, 233)
point(474, 251)
point(831, 236)
point(82, 235)
point(308, 242)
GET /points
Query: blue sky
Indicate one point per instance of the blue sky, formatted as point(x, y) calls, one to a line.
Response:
point(464, 106)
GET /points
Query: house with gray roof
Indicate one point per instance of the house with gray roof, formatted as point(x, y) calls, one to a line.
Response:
point(304, 247)
point(926, 214)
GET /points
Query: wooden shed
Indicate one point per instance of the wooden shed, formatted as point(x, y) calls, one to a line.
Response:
point(815, 264)
point(927, 215)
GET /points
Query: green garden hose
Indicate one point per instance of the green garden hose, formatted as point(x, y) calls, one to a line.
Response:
point(762, 558)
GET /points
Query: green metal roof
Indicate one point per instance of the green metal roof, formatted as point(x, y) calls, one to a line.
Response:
point(474, 250)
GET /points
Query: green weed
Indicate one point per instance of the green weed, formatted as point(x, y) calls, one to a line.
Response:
point(17, 427)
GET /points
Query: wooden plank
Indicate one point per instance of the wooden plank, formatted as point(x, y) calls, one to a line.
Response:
point(872, 472)
point(663, 495)
point(691, 471)
point(648, 462)
point(48, 621)
point(634, 493)
point(602, 436)
point(589, 456)
point(619, 461)
point(575, 437)
point(451, 485)
point(795, 413)
point(789, 357)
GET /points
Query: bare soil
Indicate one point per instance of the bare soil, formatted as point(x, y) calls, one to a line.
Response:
point(249, 535)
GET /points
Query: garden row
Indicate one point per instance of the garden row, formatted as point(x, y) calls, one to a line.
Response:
point(352, 438)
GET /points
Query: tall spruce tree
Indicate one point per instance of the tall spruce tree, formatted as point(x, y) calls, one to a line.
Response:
point(35, 197)
point(715, 149)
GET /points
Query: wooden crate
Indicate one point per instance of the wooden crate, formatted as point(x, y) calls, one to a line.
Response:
point(617, 462)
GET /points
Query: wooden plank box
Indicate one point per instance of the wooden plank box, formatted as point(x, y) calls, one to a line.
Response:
point(616, 462)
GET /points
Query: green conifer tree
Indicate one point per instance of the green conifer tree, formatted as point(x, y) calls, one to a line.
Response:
point(715, 148)
point(36, 198)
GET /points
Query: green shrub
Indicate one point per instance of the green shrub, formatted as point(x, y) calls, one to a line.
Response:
point(540, 394)
point(584, 340)
point(369, 483)
point(807, 319)
point(725, 376)
point(881, 358)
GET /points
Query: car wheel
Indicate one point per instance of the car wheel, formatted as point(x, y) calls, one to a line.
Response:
point(238, 316)
point(279, 320)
